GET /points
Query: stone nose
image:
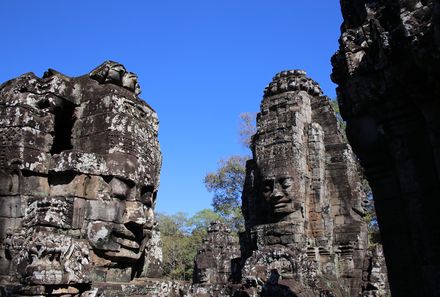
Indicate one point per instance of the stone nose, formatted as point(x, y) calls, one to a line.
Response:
point(134, 213)
point(276, 194)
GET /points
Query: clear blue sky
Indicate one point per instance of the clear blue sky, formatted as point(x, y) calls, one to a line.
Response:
point(200, 64)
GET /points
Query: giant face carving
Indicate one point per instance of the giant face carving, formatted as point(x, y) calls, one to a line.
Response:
point(277, 192)
point(283, 195)
point(80, 177)
point(281, 161)
point(119, 228)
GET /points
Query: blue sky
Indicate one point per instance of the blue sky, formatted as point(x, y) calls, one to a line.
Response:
point(200, 64)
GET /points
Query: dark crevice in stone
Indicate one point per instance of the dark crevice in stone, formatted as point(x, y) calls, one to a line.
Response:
point(138, 267)
point(64, 121)
point(61, 178)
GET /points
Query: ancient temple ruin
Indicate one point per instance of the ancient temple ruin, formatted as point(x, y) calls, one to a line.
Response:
point(303, 204)
point(303, 200)
point(388, 88)
point(79, 172)
point(218, 258)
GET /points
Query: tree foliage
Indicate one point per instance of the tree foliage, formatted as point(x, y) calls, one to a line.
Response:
point(247, 127)
point(226, 183)
point(181, 237)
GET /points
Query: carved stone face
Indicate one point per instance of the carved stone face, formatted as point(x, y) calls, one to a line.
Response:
point(283, 197)
point(113, 72)
point(119, 228)
point(280, 153)
point(278, 194)
point(78, 181)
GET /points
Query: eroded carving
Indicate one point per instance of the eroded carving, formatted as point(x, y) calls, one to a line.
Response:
point(302, 199)
point(113, 72)
point(79, 174)
point(217, 259)
point(387, 74)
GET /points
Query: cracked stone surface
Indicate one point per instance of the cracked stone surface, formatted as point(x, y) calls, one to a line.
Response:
point(79, 173)
point(303, 200)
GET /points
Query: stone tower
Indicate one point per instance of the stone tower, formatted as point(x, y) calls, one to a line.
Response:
point(79, 173)
point(303, 200)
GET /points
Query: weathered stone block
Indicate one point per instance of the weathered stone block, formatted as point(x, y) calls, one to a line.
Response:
point(34, 185)
point(9, 226)
point(20, 116)
point(97, 188)
point(68, 184)
point(49, 211)
point(107, 211)
point(12, 207)
point(118, 275)
point(79, 213)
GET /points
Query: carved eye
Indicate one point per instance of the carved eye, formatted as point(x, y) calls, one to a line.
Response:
point(267, 187)
point(286, 183)
point(148, 196)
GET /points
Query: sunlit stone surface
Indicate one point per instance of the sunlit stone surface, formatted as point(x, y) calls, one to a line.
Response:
point(303, 200)
point(79, 173)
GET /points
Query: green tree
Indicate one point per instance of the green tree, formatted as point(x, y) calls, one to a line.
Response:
point(226, 183)
point(172, 224)
point(202, 219)
point(177, 256)
point(181, 238)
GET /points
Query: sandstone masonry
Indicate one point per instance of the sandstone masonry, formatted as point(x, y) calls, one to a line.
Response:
point(388, 88)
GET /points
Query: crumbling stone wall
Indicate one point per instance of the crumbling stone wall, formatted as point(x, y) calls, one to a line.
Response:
point(387, 74)
point(218, 258)
point(79, 173)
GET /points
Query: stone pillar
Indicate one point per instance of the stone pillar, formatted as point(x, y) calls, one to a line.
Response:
point(387, 74)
